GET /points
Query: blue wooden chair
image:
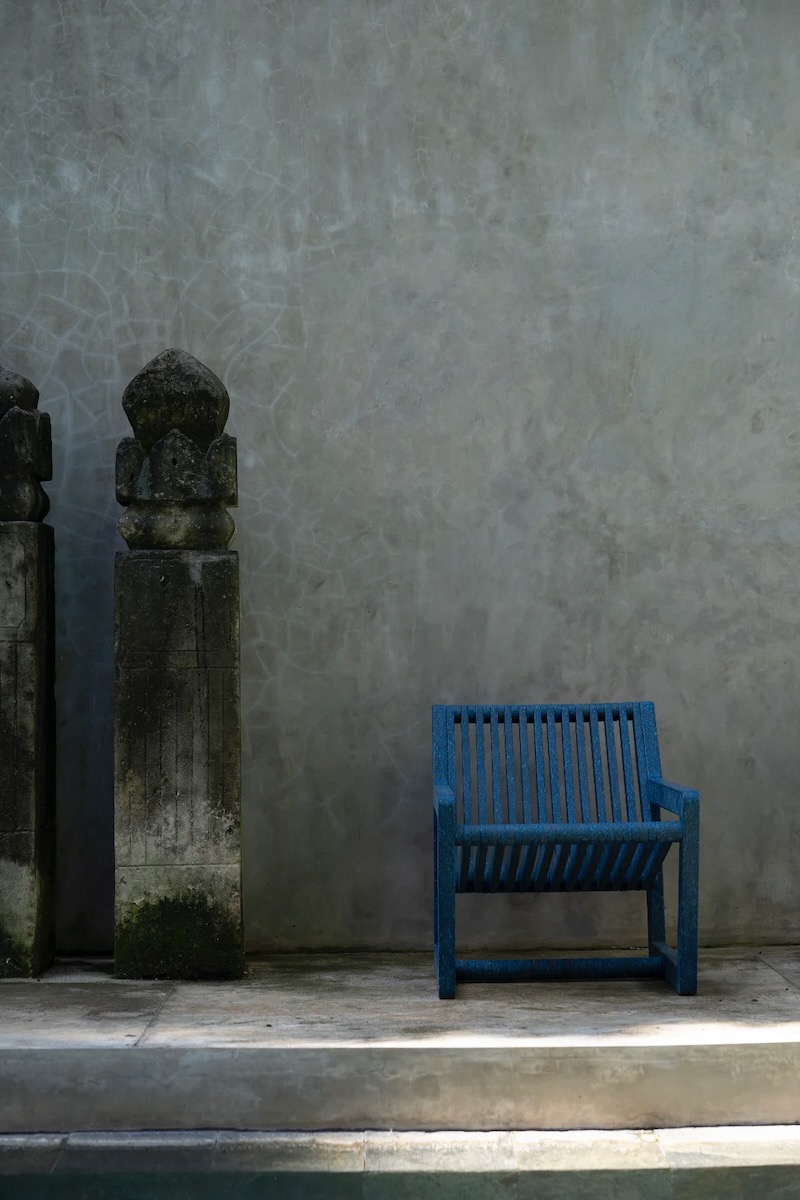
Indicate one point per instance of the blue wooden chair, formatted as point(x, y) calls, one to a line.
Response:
point(559, 798)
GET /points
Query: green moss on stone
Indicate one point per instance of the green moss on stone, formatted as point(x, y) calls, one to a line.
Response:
point(186, 937)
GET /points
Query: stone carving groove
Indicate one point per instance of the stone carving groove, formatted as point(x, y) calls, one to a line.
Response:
point(177, 792)
point(26, 455)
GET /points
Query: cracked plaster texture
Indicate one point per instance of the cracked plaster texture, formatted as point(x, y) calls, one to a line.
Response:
point(506, 299)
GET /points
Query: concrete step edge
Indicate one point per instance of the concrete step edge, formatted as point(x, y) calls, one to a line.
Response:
point(526, 1153)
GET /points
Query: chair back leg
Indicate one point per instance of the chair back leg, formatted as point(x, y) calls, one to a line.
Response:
point(656, 921)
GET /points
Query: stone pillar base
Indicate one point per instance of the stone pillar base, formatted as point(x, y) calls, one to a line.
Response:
point(177, 765)
point(185, 922)
point(27, 815)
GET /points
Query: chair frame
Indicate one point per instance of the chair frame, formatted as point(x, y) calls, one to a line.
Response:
point(678, 966)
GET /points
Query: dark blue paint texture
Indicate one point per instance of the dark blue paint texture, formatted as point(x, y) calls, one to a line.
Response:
point(592, 833)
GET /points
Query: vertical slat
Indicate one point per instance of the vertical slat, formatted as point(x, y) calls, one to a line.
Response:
point(509, 875)
point(495, 856)
point(654, 866)
point(464, 866)
point(519, 859)
point(577, 865)
point(641, 761)
point(611, 758)
point(634, 872)
point(451, 747)
point(583, 777)
point(620, 875)
point(635, 866)
point(609, 865)
point(541, 796)
point(480, 767)
point(650, 754)
point(559, 867)
point(601, 867)
point(498, 860)
point(638, 866)
point(524, 766)
point(439, 732)
point(497, 783)
point(552, 755)
point(509, 880)
point(627, 767)
point(480, 780)
point(528, 864)
point(466, 768)
point(511, 770)
point(566, 753)
point(479, 871)
point(542, 867)
point(651, 739)
point(643, 866)
point(637, 863)
point(465, 852)
point(597, 766)
point(588, 876)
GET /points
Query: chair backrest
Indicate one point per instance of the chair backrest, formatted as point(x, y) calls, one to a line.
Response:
point(547, 763)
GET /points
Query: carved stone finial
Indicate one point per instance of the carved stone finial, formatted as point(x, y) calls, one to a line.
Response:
point(178, 474)
point(26, 454)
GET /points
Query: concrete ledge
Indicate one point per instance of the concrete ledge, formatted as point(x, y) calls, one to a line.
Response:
point(659, 1164)
point(362, 1042)
point(345, 1087)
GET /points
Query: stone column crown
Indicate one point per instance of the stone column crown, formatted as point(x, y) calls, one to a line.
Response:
point(26, 454)
point(177, 475)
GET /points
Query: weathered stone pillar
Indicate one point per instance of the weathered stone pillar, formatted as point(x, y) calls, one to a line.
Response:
point(27, 808)
point(177, 768)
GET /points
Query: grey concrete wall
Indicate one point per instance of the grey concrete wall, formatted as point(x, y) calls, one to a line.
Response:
point(505, 293)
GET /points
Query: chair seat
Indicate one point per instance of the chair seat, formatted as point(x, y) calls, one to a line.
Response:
point(573, 833)
point(588, 866)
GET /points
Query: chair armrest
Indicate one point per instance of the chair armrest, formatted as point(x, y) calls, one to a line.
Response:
point(671, 797)
point(444, 798)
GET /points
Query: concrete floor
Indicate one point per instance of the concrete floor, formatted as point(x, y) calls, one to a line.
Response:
point(345, 1076)
point(360, 1042)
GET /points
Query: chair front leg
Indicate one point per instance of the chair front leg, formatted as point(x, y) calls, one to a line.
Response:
point(688, 886)
point(444, 901)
